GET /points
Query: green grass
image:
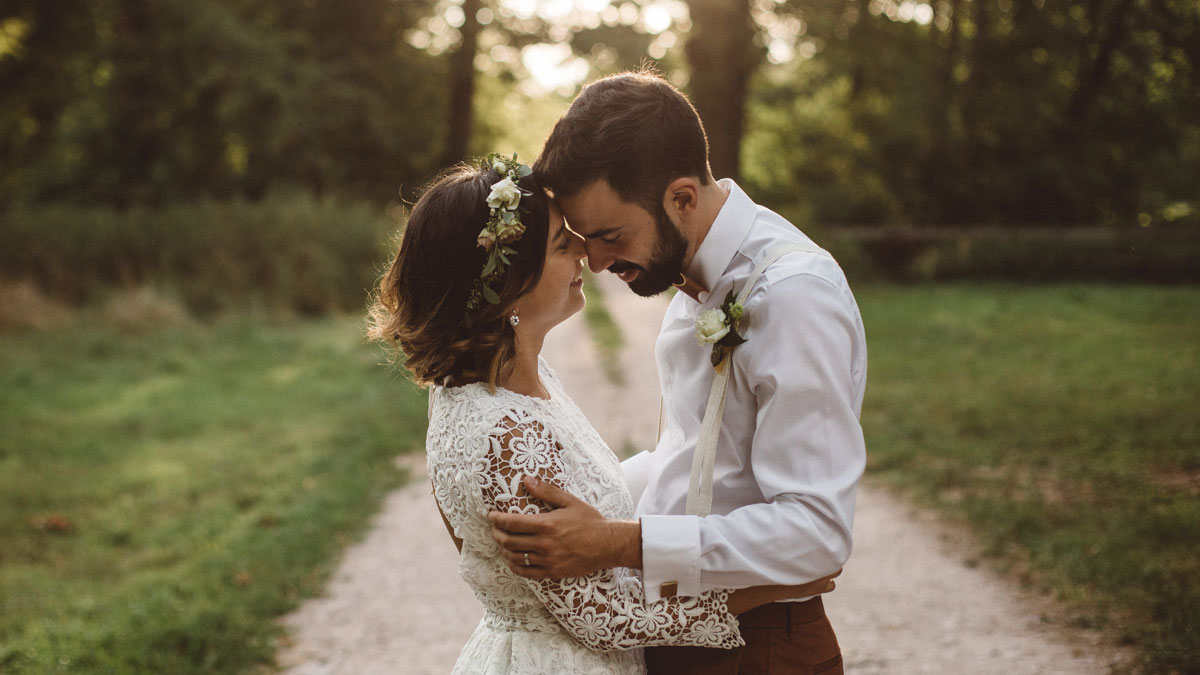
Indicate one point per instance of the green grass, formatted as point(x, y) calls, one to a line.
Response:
point(206, 476)
point(163, 497)
point(1063, 424)
point(606, 334)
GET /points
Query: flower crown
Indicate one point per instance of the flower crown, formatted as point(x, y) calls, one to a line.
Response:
point(503, 226)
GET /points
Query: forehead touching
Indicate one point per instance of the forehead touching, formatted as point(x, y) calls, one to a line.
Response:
point(597, 210)
point(558, 225)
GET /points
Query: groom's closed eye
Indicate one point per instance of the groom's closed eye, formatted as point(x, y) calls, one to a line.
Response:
point(608, 236)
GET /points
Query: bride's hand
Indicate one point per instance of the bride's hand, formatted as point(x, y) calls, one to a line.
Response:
point(571, 540)
point(746, 599)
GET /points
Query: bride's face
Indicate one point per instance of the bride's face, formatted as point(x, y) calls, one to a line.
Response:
point(559, 292)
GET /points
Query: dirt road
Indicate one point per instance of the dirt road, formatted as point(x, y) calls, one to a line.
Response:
point(908, 602)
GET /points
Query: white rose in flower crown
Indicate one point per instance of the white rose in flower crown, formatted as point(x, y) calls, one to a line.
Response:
point(500, 167)
point(504, 194)
point(711, 326)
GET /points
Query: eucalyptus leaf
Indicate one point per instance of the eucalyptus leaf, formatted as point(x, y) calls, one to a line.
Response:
point(731, 339)
point(490, 295)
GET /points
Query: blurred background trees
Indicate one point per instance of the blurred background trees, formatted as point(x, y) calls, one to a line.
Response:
point(857, 111)
point(168, 160)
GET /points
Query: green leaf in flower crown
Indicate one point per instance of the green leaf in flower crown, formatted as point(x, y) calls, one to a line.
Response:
point(490, 295)
point(524, 171)
point(489, 267)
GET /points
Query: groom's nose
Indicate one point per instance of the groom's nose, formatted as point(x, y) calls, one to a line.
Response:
point(596, 260)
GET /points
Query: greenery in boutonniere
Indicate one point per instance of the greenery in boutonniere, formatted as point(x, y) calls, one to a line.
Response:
point(719, 328)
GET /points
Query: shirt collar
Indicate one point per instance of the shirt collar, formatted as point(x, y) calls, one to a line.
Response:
point(726, 234)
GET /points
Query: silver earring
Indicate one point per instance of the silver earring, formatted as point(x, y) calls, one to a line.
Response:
point(513, 319)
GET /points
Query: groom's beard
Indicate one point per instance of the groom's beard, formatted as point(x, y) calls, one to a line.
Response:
point(666, 260)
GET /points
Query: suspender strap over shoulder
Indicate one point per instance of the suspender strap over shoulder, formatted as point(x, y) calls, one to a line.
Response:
point(699, 499)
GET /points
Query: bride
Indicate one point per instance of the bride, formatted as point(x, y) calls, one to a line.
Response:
point(486, 267)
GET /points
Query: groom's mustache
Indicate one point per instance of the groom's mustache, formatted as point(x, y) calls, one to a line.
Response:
point(624, 266)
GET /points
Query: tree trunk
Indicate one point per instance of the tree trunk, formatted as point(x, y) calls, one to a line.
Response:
point(860, 49)
point(723, 57)
point(462, 87)
point(1094, 73)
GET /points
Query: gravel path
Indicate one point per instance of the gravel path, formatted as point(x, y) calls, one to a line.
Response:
point(908, 602)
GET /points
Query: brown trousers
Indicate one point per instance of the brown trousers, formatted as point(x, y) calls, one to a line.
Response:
point(784, 638)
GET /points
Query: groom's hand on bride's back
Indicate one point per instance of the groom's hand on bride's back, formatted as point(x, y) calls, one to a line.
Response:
point(571, 540)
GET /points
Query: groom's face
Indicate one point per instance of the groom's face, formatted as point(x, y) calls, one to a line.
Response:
point(645, 250)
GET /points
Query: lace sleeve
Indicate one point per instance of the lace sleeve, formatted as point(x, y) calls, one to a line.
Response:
point(607, 609)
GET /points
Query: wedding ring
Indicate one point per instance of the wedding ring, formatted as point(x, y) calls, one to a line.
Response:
point(527, 558)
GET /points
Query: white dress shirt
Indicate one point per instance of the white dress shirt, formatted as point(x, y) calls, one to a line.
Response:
point(791, 449)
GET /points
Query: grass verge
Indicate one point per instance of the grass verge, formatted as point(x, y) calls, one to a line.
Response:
point(1061, 423)
point(164, 497)
point(606, 334)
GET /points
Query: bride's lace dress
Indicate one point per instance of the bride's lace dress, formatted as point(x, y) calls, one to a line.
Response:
point(479, 446)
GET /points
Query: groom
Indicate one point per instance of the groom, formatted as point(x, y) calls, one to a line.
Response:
point(628, 165)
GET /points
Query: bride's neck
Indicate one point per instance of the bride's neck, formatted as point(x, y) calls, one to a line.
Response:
point(524, 378)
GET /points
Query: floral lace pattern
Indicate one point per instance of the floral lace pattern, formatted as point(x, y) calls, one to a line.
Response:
point(479, 446)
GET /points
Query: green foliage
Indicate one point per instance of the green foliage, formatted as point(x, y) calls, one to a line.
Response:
point(137, 102)
point(1060, 423)
point(164, 498)
point(1155, 255)
point(1032, 113)
point(287, 251)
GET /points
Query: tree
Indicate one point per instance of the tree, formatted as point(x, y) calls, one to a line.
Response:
point(136, 102)
point(723, 56)
point(462, 85)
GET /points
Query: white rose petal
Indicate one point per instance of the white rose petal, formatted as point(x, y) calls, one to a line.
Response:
point(499, 167)
point(711, 326)
point(504, 194)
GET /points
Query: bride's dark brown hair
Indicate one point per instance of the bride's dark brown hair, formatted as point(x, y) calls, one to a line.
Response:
point(420, 306)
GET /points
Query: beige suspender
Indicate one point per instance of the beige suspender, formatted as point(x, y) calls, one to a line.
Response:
point(699, 499)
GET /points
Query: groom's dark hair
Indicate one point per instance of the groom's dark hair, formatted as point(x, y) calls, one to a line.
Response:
point(635, 131)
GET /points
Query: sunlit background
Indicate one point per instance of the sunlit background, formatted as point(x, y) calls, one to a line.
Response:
point(197, 197)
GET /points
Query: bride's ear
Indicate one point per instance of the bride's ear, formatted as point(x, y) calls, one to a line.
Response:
point(682, 197)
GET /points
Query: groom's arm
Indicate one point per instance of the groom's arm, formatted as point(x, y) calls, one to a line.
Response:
point(805, 363)
point(573, 540)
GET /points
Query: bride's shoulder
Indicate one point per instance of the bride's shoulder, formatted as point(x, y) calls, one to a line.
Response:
point(477, 411)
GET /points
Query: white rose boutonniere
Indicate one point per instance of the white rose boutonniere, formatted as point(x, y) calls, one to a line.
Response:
point(711, 326)
point(719, 328)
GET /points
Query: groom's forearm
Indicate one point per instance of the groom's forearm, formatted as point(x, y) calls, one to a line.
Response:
point(621, 544)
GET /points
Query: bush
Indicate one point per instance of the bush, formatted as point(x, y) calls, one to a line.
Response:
point(288, 251)
point(1157, 255)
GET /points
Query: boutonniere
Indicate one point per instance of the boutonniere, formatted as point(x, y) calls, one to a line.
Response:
point(719, 328)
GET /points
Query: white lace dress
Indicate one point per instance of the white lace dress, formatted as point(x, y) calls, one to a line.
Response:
point(479, 446)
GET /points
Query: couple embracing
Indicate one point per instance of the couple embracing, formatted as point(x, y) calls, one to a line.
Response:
point(710, 552)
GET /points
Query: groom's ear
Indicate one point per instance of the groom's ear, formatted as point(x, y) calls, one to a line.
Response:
point(681, 198)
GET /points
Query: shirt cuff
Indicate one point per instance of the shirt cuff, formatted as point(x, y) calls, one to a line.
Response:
point(670, 554)
point(637, 474)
